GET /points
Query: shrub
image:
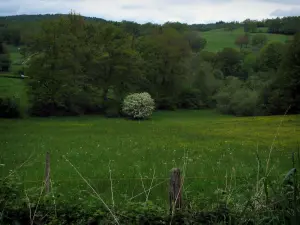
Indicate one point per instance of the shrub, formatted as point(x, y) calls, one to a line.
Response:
point(244, 102)
point(237, 99)
point(223, 102)
point(112, 108)
point(166, 103)
point(112, 104)
point(138, 106)
point(191, 99)
point(9, 108)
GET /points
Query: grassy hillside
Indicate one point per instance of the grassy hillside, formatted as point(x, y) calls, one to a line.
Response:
point(213, 146)
point(10, 84)
point(16, 59)
point(14, 87)
point(219, 39)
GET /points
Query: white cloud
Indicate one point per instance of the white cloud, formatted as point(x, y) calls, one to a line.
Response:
point(159, 11)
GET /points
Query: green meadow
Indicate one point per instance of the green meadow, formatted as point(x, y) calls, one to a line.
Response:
point(219, 38)
point(211, 149)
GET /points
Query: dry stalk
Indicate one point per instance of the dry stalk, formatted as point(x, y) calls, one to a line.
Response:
point(37, 205)
point(143, 184)
point(148, 189)
point(274, 139)
point(28, 203)
point(147, 197)
point(13, 171)
point(95, 192)
point(111, 186)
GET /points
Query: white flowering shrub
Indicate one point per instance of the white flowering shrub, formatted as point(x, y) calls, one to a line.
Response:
point(138, 106)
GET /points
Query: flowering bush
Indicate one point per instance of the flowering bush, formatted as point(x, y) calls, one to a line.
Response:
point(138, 105)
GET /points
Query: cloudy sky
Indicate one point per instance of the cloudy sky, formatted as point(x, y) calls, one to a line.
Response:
point(158, 11)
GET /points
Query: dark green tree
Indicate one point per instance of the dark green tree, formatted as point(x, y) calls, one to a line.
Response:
point(259, 40)
point(196, 42)
point(271, 56)
point(229, 60)
point(76, 64)
point(288, 81)
point(165, 54)
point(250, 26)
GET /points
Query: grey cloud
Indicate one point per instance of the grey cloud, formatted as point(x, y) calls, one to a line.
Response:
point(132, 6)
point(284, 2)
point(191, 2)
point(291, 12)
point(9, 8)
point(14, 7)
point(44, 6)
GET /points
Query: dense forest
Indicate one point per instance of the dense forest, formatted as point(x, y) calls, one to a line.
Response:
point(78, 65)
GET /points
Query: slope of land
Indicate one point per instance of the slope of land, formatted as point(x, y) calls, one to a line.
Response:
point(220, 38)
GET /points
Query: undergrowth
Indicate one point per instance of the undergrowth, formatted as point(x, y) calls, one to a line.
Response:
point(268, 202)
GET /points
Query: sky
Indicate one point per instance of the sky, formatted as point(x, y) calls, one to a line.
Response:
point(158, 11)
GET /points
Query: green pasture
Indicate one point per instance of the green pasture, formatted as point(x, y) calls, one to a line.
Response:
point(220, 38)
point(213, 150)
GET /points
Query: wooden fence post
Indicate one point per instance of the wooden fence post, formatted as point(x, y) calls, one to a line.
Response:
point(47, 173)
point(175, 190)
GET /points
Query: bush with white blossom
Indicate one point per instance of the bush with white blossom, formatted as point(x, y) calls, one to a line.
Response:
point(138, 105)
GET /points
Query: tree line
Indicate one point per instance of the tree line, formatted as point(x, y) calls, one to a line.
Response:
point(17, 30)
point(80, 66)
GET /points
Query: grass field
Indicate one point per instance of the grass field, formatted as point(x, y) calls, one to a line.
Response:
point(219, 38)
point(13, 87)
point(212, 145)
point(16, 59)
point(10, 86)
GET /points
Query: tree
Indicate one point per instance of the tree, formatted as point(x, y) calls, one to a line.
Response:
point(118, 66)
point(208, 56)
point(229, 61)
point(235, 98)
point(250, 26)
point(288, 81)
point(207, 83)
point(165, 54)
point(242, 41)
point(285, 25)
point(76, 64)
point(179, 27)
point(196, 42)
point(231, 26)
point(270, 56)
point(131, 28)
point(259, 40)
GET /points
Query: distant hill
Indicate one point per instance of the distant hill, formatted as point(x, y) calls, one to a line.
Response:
point(39, 17)
point(19, 29)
